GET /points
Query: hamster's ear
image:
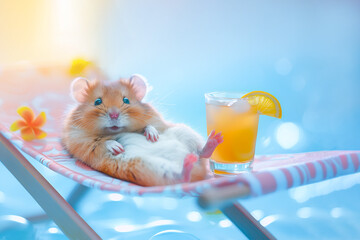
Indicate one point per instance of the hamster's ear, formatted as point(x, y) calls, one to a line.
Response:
point(139, 85)
point(79, 87)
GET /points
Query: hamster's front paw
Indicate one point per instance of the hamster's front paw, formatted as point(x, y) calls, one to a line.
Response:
point(114, 147)
point(151, 133)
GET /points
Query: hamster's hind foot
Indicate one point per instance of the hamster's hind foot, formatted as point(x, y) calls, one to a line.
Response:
point(189, 161)
point(212, 142)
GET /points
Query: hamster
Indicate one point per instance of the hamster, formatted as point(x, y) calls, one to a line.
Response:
point(113, 131)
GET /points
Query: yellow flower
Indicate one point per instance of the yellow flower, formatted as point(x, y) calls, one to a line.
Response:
point(78, 66)
point(29, 126)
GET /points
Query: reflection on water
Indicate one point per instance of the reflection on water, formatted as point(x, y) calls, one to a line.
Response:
point(257, 214)
point(173, 235)
point(304, 193)
point(269, 219)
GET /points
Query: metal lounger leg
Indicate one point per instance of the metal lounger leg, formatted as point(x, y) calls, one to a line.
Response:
point(68, 220)
point(246, 222)
point(74, 199)
point(225, 199)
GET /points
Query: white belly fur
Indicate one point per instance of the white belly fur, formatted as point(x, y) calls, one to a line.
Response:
point(172, 147)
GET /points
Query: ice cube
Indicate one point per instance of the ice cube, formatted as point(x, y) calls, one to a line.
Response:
point(240, 106)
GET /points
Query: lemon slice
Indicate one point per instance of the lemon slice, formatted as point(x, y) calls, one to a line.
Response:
point(265, 103)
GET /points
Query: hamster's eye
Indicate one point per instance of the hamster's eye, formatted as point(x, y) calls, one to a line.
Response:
point(126, 100)
point(98, 102)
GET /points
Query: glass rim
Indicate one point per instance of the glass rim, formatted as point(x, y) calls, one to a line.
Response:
point(225, 95)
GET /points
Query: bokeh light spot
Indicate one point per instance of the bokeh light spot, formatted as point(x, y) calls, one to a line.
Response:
point(194, 216)
point(304, 212)
point(288, 135)
point(53, 230)
point(336, 212)
point(115, 197)
point(225, 223)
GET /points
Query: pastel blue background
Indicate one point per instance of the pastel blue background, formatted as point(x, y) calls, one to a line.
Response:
point(306, 53)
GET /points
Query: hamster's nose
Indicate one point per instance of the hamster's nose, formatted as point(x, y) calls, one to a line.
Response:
point(114, 115)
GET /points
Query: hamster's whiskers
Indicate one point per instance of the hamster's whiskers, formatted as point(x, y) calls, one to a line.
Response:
point(163, 97)
point(161, 104)
point(83, 125)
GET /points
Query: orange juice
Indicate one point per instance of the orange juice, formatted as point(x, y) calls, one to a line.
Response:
point(238, 124)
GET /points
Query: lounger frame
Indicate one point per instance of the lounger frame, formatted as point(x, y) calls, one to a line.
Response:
point(75, 227)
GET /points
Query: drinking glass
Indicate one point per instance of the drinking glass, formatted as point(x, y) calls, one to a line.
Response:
point(238, 121)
